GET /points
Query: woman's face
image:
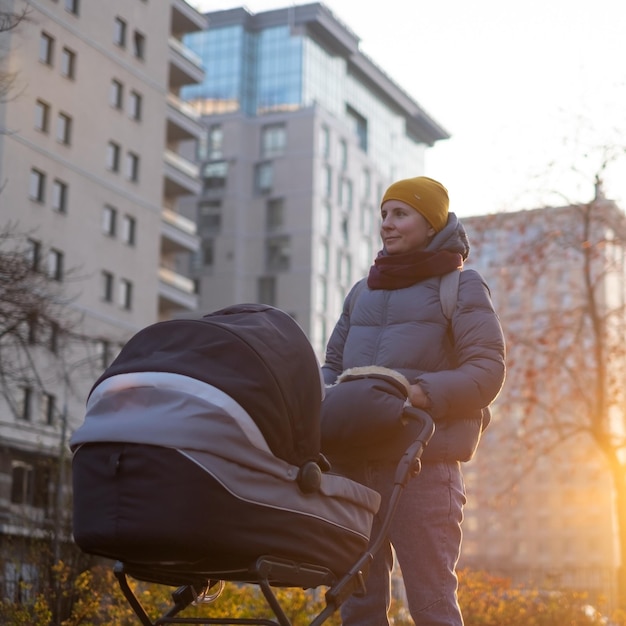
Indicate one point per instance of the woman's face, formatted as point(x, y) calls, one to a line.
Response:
point(403, 229)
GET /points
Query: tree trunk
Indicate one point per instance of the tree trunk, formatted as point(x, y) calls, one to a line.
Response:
point(619, 483)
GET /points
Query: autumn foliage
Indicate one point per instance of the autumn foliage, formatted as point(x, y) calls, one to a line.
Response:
point(486, 601)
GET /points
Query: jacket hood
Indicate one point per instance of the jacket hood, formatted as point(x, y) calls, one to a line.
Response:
point(452, 237)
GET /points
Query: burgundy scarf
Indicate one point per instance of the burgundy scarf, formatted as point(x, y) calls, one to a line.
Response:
point(396, 271)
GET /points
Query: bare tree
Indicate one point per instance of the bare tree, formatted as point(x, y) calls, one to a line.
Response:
point(44, 356)
point(559, 278)
point(10, 20)
point(34, 312)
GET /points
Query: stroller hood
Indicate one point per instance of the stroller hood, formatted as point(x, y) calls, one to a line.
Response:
point(255, 354)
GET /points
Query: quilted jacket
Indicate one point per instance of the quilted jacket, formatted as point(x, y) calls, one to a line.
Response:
point(460, 363)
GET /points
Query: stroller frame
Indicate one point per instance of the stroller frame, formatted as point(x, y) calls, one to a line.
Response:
point(269, 571)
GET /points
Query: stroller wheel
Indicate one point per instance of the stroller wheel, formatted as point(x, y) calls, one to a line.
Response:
point(310, 477)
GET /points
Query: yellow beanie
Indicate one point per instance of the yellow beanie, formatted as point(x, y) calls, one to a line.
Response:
point(425, 195)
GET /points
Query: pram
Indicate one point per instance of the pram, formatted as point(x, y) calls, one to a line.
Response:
point(199, 462)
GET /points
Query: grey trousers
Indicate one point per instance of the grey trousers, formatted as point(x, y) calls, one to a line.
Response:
point(426, 537)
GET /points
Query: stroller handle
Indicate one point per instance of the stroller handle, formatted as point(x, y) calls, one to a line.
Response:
point(427, 426)
point(410, 464)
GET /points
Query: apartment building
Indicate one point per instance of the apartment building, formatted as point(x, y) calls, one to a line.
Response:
point(92, 171)
point(304, 133)
point(542, 507)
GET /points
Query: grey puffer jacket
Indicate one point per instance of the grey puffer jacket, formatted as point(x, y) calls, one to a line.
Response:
point(406, 330)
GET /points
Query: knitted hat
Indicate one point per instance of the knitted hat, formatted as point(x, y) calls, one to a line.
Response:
point(425, 195)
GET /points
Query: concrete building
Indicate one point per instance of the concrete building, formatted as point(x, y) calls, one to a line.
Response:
point(541, 507)
point(91, 171)
point(304, 134)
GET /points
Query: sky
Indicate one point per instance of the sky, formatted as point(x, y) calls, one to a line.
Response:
point(532, 93)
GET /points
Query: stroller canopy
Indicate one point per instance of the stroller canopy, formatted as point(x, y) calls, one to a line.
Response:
point(255, 354)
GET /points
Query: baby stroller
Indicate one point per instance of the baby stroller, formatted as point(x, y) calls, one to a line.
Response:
point(199, 462)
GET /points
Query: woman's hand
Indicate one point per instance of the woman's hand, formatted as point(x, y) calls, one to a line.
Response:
point(417, 397)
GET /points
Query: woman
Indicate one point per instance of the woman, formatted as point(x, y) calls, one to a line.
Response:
point(455, 368)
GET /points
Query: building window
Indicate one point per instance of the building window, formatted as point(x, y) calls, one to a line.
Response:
point(37, 185)
point(214, 175)
point(103, 350)
point(326, 221)
point(64, 129)
point(343, 154)
point(367, 220)
point(216, 142)
point(366, 181)
point(327, 181)
point(42, 116)
point(267, 290)
point(322, 295)
point(129, 230)
point(46, 48)
point(33, 254)
point(325, 142)
point(55, 264)
point(31, 330)
point(132, 167)
point(208, 252)
point(22, 481)
point(139, 45)
point(31, 327)
point(52, 337)
point(273, 140)
point(72, 6)
point(119, 32)
point(345, 194)
point(59, 196)
point(275, 214)
point(134, 105)
point(116, 94)
point(107, 286)
point(29, 485)
point(209, 216)
point(68, 63)
point(345, 230)
point(264, 177)
point(202, 147)
point(48, 408)
point(20, 582)
point(278, 253)
point(126, 294)
point(109, 220)
point(344, 268)
point(113, 156)
point(26, 412)
point(359, 125)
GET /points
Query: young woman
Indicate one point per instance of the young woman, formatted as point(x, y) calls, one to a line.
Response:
point(455, 369)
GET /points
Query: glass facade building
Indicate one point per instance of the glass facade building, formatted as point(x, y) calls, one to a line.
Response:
point(250, 72)
point(303, 134)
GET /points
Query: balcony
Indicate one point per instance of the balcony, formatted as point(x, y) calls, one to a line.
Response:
point(181, 176)
point(176, 293)
point(186, 19)
point(185, 67)
point(183, 122)
point(178, 234)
